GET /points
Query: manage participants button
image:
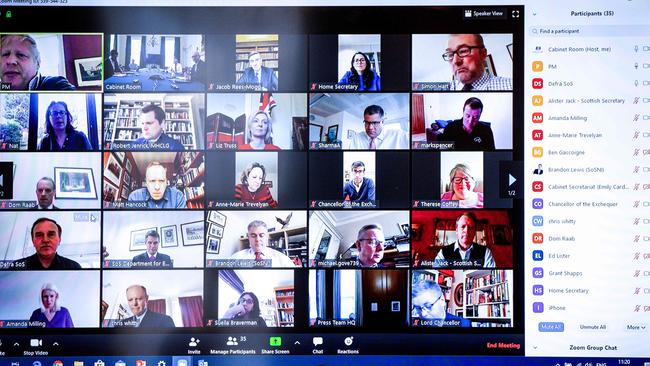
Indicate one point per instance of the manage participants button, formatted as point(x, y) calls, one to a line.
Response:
point(556, 327)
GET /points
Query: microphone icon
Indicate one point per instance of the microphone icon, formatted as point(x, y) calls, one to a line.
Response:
point(636, 48)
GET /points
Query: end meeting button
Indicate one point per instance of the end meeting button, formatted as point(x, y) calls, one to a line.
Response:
point(556, 327)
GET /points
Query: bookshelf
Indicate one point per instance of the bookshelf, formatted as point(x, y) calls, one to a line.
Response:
point(192, 176)
point(292, 242)
point(284, 305)
point(487, 298)
point(268, 51)
point(110, 116)
point(122, 112)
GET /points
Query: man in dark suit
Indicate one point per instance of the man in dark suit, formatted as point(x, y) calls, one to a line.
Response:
point(111, 65)
point(143, 317)
point(197, 73)
point(46, 237)
point(45, 192)
point(257, 74)
point(151, 258)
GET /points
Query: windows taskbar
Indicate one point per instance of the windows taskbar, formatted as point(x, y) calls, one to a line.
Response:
point(319, 360)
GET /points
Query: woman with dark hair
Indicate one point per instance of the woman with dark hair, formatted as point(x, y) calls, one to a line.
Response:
point(361, 74)
point(252, 188)
point(260, 133)
point(247, 308)
point(60, 134)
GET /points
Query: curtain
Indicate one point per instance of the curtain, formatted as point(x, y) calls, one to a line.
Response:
point(230, 277)
point(162, 53)
point(127, 53)
point(157, 306)
point(191, 311)
point(418, 113)
point(143, 51)
point(177, 49)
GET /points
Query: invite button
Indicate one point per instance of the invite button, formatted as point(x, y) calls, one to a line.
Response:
point(551, 327)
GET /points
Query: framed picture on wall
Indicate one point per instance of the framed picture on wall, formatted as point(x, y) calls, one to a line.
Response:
point(74, 183)
point(113, 170)
point(89, 71)
point(138, 239)
point(216, 231)
point(217, 218)
point(168, 236)
point(192, 233)
point(213, 245)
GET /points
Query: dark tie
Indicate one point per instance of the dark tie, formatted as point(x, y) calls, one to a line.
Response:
point(467, 87)
point(152, 258)
point(258, 256)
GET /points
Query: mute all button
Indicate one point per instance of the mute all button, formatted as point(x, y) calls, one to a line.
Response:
point(551, 327)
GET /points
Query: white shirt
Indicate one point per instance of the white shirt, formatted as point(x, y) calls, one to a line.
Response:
point(387, 139)
point(277, 259)
point(488, 260)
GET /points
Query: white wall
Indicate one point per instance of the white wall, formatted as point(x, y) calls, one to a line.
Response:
point(79, 237)
point(78, 292)
point(30, 167)
point(497, 109)
point(237, 222)
point(161, 284)
point(118, 226)
point(428, 65)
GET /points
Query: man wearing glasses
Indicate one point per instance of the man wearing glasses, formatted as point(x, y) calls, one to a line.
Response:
point(370, 244)
point(375, 136)
point(359, 188)
point(469, 133)
point(467, 54)
point(465, 252)
point(430, 306)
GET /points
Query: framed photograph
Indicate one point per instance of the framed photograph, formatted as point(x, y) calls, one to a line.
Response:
point(509, 47)
point(213, 245)
point(332, 133)
point(217, 218)
point(127, 179)
point(89, 71)
point(192, 233)
point(405, 229)
point(138, 239)
point(501, 235)
point(168, 236)
point(119, 155)
point(74, 183)
point(109, 193)
point(489, 66)
point(127, 164)
point(113, 170)
point(216, 231)
point(124, 194)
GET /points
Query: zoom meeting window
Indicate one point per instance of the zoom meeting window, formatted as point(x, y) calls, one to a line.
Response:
point(239, 172)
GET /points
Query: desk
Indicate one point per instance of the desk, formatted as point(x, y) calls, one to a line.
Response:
point(167, 83)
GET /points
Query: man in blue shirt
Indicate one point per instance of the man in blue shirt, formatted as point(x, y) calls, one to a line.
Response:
point(359, 188)
point(157, 194)
point(153, 136)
